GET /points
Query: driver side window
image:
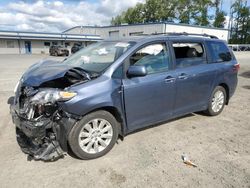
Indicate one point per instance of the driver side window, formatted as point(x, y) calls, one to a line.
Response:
point(154, 57)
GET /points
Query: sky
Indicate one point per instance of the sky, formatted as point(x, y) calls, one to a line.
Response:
point(59, 15)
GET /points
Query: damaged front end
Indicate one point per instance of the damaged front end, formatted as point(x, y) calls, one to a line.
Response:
point(42, 127)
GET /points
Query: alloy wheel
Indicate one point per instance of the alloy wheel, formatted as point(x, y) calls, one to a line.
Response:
point(95, 136)
point(218, 101)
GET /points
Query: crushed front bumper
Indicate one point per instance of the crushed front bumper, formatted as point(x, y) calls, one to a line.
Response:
point(45, 139)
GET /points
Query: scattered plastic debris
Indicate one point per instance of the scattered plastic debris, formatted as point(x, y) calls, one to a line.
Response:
point(187, 161)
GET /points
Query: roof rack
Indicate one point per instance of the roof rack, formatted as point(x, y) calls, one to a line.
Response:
point(185, 34)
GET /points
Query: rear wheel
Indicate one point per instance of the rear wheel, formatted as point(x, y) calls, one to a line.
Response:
point(217, 101)
point(94, 135)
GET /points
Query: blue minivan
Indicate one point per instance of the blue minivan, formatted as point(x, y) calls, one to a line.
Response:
point(114, 87)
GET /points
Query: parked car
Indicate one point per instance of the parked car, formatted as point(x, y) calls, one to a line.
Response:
point(58, 51)
point(241, 47)
point(244, 48)
point(76, 47)
point(112, 88)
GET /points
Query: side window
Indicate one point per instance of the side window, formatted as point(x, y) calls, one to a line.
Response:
point(219, 51)
point(189, 54)
point(154, 57)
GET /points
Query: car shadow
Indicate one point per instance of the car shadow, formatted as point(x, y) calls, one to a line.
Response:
point(246, 87)
point(245, 74)
point(70, 152)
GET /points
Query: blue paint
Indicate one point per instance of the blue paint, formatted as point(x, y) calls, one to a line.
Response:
point(150, 99)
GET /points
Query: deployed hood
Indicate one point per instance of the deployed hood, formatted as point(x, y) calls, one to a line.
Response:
point(53, 74)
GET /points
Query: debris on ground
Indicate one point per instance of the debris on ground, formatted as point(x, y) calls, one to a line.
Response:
point(187, 161)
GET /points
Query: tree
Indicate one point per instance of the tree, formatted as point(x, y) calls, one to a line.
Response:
point(134, 15)
point(200, 12)
point(117, 20)
point(184, 11)
point(219, 20)
point(240, 32)
point(160, 10)
point(151, 11)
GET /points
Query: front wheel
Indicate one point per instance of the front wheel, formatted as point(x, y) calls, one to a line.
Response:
point(217, 101)
point(94, 135)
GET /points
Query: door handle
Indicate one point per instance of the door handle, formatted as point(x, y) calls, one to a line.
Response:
point(169, 79)
point(183, 76)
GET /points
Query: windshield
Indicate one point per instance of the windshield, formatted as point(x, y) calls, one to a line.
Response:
point(99, 56)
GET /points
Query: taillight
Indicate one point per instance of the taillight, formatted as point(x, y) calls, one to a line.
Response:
point(236, 67)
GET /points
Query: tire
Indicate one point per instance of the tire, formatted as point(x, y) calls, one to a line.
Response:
point(215, 108)
point(55, 53)
point(84, 141)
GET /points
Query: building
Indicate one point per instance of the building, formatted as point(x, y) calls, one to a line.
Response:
point(149, 28)
point(14, 42)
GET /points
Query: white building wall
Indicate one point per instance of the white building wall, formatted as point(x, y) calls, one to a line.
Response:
point(37, 47)
point(125, 30)
point(4, 49)
point(220, 33)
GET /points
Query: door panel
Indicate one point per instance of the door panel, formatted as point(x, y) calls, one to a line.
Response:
point(193, 91)
point(195, 76)
point(148, 99)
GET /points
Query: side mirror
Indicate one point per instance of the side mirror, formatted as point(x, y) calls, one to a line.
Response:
point(137, 71)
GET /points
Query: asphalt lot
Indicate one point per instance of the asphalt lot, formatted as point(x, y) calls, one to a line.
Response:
point(220, 146)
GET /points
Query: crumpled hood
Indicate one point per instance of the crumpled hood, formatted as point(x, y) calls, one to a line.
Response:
point(44, 71)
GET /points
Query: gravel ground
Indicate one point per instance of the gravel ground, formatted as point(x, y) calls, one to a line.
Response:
point(220, 146)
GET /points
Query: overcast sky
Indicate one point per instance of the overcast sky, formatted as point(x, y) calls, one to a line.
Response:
point(57, 16)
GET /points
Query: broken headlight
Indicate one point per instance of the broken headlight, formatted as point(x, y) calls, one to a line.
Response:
point(50, 95)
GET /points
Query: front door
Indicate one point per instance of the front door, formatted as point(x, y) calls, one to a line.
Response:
point(149, 99)
point(27, 47)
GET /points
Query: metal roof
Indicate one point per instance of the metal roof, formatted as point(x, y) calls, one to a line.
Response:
point(141, 24)
point(47, 36)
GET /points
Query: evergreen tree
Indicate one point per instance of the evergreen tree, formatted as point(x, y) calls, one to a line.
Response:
point(219, 20)
point(240, 32)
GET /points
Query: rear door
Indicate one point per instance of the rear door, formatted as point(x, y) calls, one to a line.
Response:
point(194, 76)
point(149, 99)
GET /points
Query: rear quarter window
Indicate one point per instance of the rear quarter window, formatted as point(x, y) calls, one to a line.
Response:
point(219, 51)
